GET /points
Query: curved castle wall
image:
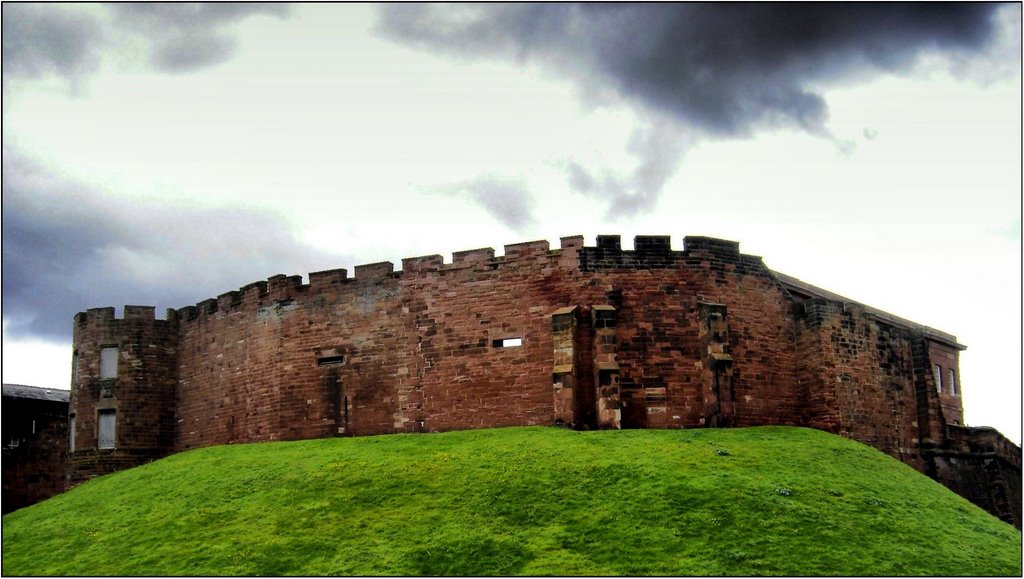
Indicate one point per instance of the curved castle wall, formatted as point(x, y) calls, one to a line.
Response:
point(587, 337)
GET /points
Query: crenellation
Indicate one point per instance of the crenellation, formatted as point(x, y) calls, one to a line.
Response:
point(723, 247)
point(611, 242)
point(482, 255)
point(228, 301)
point(652, 244)
point(421, 265)
point(254, 292)
point(327, 279)
point(97, 314)
point(527, 249)
point(207, 307)
point(139, 312)
point(280, 287)
point(372, 272)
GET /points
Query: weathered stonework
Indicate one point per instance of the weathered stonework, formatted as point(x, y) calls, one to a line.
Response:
point(35, 437)
point(586, 337)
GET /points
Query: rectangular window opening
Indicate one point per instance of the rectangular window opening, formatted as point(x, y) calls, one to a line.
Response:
point(108, 362)
point(71, 434)
point(937, 371)
point(106, 428)
point(952, 382)
point(508, 343)
point(330, 360)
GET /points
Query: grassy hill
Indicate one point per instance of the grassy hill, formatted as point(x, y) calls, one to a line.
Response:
point(535, 501)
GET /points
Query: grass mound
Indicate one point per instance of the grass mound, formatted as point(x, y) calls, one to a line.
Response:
point(532, 501)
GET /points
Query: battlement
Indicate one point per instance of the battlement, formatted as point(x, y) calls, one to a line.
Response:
point(282, 287)
point(655, 252)
point(473, 256)
point(138, 313)
point(649, 251)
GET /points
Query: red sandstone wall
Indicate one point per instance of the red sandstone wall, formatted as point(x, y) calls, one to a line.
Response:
point(657, 294)
point(142, 395)
point(861, 374)
point(418, 350)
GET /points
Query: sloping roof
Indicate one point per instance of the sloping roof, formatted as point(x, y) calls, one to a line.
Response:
point(793, 284)
point(36, 393)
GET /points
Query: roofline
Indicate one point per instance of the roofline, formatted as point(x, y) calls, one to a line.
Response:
point(792, 283)
point(26, 392)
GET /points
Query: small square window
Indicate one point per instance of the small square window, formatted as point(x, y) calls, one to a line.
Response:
point(107, 419)
point(108, 363)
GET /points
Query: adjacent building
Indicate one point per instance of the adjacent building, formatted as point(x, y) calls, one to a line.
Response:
point(35, 443)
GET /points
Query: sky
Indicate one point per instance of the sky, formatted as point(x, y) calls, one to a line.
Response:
point(162, 154)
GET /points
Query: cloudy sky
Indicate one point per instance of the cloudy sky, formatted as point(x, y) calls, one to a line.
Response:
point(164, 154)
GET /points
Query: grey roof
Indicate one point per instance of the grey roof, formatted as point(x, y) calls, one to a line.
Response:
point(792, 283)
point(36, 393)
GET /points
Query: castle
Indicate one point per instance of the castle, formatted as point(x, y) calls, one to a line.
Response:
point(584, 337)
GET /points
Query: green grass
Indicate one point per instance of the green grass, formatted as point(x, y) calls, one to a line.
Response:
point(532, 501)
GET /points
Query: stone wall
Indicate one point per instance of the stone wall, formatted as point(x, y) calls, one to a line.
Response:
point(861, 377)
point(588, 337)
point(140, 395)
point(982, 466)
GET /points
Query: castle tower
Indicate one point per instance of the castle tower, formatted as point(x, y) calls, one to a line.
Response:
point(123, 379)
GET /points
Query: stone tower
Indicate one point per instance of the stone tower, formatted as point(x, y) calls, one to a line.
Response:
point(124, 374)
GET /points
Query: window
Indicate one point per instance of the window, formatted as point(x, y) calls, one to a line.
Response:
point(330, 360)
point(937, 371)
point(108, 362)
point(106, 428)
point(71, 433)
point(508, 343)
point(74, 368)
point(952, 382)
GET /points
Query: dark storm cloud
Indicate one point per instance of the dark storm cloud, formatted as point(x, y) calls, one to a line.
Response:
point(71, 41)
point(66, 249)
point(38, 40)
point(658, 149)
point(507, 199)
point(722, 70)
point(187, 36)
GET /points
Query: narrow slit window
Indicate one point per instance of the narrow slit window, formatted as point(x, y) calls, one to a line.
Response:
point(508, 343)
point(330, 360)
point(937, 370)
point(71, 433)
point(952, 382)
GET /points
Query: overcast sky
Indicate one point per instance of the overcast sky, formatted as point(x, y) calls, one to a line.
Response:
point(163, 154)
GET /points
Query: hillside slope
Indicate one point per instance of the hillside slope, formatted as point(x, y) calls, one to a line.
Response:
point(537, 501)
